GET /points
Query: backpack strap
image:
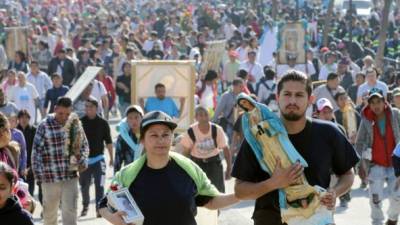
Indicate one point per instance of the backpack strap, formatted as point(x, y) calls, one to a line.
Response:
point(268, 87)
point(272, 93)
point(191, 135)
point(264, 83)
point(214, 134)
point(258, 86)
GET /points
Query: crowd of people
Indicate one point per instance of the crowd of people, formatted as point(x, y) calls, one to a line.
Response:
point(50, 146)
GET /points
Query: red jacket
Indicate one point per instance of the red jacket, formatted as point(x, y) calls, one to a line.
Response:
point(382, 146)
point(109, 85)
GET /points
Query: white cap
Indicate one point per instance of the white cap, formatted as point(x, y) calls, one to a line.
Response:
point(322, 103)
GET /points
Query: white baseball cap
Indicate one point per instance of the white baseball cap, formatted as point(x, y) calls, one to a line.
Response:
point(322, 103)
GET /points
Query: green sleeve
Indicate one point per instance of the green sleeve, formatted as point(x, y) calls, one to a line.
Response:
point(205, 187)
point(203, 184)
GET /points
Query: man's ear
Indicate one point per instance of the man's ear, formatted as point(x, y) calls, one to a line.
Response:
point(311, 100)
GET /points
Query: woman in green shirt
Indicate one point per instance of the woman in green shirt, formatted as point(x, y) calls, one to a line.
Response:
point(166, 186)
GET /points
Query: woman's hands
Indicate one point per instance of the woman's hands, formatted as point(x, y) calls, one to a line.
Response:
point(114, 218)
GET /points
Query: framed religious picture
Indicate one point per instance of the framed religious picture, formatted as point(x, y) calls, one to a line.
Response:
point(292, 42)
point(178, 77)
point(213, 55)
point(16, 40)
point(122, 200)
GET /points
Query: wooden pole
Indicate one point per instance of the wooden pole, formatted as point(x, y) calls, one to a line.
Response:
point(327, 23)
point(383, 34)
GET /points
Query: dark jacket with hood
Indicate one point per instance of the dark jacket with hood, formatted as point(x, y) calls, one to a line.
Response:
point(369, 137)
point(13, 214)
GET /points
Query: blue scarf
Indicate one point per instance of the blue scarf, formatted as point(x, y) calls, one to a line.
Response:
point(123, 129)
point(396, 151)
point(276, 127)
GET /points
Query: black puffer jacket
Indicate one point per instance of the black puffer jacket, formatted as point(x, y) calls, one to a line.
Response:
point(13, 214)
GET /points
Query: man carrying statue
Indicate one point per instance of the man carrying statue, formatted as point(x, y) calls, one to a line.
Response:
point(285, 163)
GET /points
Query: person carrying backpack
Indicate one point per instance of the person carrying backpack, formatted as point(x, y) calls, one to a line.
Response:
point(266, 87)
point(203, 142)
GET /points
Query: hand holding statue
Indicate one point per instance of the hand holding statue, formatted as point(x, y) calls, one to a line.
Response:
point(283, 178)
point(329, 199)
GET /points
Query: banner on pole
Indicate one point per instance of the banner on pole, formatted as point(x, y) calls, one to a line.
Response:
point(292, 43)
point(16, 40)
point(213, 55)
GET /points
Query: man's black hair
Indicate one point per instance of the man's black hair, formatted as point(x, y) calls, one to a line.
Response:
point(340, 93)
point(211, 75)
point(242, 73)
point(159, 85)
point(332, 76)
point(93, 101)
point(35, 62)
point(23, 112)
point(64, 102)
point(237, 81)
point(269, 73)
point(296, 76)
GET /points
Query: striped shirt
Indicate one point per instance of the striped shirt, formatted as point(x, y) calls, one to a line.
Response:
point(50, 163)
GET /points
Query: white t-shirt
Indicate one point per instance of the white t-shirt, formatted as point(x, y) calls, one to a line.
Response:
point(148, 45)
point(242, 54)
point(207, 98)
point(41, 82)
point(98, 92)
point(282, 69)
point(51, 40)
point(24, 98)
point(326, 70)
point(323, 92)
point(365, 88)
point(256, 70)
point(228, 30)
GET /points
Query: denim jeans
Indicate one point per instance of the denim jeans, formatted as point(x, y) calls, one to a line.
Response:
point(377, 177)
point(39, 107)
point(98, 172)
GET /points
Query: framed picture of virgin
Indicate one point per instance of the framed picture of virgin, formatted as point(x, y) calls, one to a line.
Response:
point(292, 43)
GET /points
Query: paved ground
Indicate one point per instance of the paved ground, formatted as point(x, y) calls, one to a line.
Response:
point(240, 214)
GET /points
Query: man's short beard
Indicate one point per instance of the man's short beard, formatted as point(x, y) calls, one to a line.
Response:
point(291, 116)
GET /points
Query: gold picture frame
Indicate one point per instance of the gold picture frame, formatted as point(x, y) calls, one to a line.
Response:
point(178, 78)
